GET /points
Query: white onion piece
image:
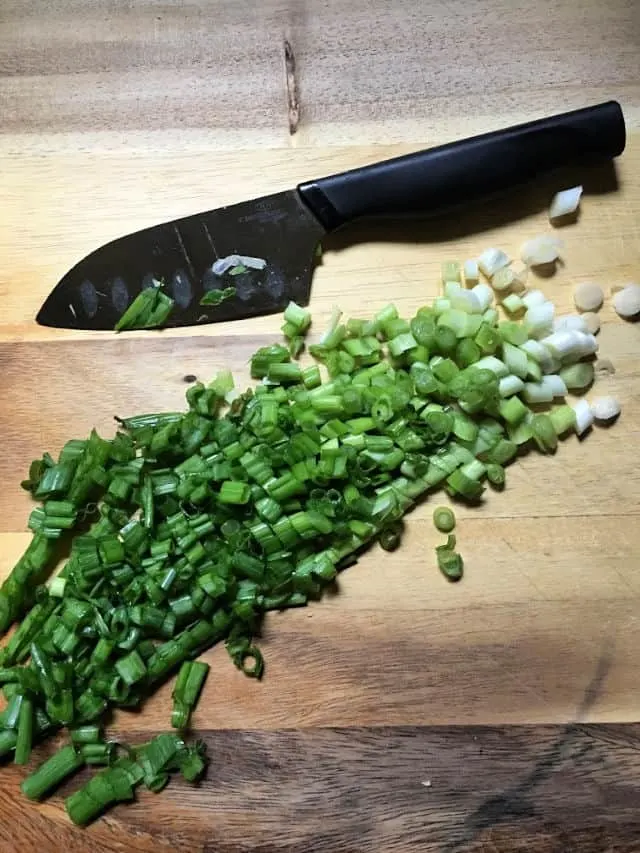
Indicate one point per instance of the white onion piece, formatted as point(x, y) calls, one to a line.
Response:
point(534, 297)
point(627, 301)
point(553, 366)
point(586, 343)
point(451, 287)
point(465, 300)
point(512, 303)
point(588, 296)
point(535, 392)
point(490, 362)
point(450, 271)
point(520, 279)
point(510, 385)
point(592, 322)
point(571, 346)
point(440, 305)
point(492, 260)
point(539, 353)
point(605, 408)
point(223, 265)
point(253, 263)
point(484, 294)
point(565, 203)
point(538, 320)
point(471, 273)
point(584, 416)
point(540, 250)
point(570, 323)
point(562, 344)
point(555, 384)
point(503, 280)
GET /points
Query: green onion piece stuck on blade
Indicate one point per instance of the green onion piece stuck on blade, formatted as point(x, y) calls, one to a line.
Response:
point(149, 310)
point(217, 296)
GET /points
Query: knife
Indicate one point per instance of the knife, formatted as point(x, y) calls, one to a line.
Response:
point(285, 229)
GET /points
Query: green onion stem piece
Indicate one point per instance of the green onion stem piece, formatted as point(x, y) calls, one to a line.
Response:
point(217, 296)
point(444, 520)
point(449, 561)
point(150, 309)
point(25, 731)
point(187, 689)
point(50, 774)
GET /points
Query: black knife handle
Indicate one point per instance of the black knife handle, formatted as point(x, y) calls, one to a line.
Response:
point(462, 172)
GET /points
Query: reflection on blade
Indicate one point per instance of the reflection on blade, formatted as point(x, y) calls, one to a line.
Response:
point(278, 228)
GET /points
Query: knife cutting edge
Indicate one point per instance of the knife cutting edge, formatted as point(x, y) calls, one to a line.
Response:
point(284, 229)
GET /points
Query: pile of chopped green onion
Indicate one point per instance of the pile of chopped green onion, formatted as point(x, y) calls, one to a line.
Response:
point(187, 527)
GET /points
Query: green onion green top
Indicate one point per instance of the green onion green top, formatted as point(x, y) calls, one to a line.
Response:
point(444, 519)
point(187, 527)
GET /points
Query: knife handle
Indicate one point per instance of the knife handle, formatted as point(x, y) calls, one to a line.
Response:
point(462, 172)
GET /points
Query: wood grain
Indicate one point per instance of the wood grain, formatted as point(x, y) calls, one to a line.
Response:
point(214, 72)
point(438, 790)
point(114, 116)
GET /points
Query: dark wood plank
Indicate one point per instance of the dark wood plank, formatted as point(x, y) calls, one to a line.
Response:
point(450, 790)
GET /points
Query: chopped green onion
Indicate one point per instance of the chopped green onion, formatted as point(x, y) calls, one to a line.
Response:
point(544, 433)
point(299, 317)
point(444, 519)
point(217, 296)
point(577, 377)
point(187, 689)
point(86, 734)
point(186, 528)
point(150, 309)
point(449, 561)
point(232, 492)
point(563, 419)
point(495, 475)
point(389, 537)
point(131, 668)
point(25, 731)
point(50, 774)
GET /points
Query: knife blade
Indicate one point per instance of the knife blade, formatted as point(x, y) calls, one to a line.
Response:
point(285, 228)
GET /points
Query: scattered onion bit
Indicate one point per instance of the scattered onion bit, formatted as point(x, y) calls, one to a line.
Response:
point(627, 301)
point(471, 273)
point(605, 409)
point(604, 367)
point(592, 322)
point(588, 296)
point(230, 262)
point(540, 250)
point(570, 323)
point(443, 519)
point(492, 260)
point(503, 280)
point(520, 279)
point(584, 416)
point(565, 203)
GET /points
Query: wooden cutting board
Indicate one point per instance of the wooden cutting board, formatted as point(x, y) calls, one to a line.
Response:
point(402, 713)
